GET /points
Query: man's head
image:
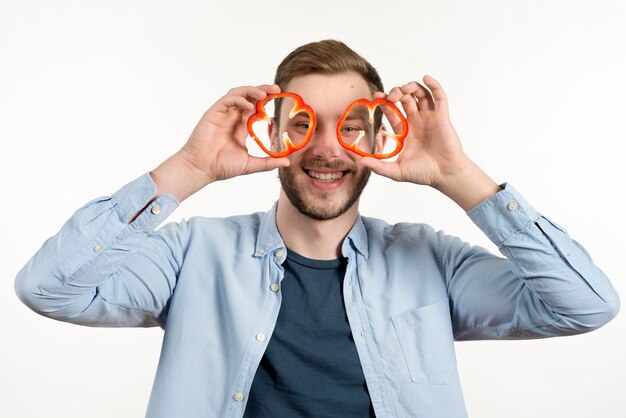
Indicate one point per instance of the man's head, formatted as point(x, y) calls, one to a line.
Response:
point(324, 181)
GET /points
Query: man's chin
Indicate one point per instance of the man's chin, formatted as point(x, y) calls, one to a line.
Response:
point(322, 212)
point(325, 206)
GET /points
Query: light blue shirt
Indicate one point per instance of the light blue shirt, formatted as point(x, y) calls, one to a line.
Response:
point(409, 291)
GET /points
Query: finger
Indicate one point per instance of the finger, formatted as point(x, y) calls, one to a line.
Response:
point(229, 102)
point(269, 88)
point(253, 93)
point(382, 168)
point(260, 164)
point(409, 104)
point(424, 98)
point(441, 100)
point(394, 94)
point(393, 119)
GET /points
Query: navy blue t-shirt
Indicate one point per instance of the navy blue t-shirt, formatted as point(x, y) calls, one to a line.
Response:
point(310, 367)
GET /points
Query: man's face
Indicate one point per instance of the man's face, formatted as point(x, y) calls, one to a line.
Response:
point(324, 180)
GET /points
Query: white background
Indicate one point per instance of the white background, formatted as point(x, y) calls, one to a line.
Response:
point(93, 94)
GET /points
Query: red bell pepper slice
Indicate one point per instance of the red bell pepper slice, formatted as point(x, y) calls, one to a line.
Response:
point(298, 107)
point(372, 105)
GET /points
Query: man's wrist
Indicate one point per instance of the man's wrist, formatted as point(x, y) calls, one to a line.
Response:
point(177, 177)
point(468, 186)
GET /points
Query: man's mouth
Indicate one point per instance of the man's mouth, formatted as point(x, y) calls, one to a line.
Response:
point(325, 177)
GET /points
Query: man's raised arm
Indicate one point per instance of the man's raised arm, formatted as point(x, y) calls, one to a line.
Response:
point(547, 285)
point(107, 266)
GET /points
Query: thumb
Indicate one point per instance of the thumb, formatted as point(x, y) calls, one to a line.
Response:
point(382, 168)
point(259, 164)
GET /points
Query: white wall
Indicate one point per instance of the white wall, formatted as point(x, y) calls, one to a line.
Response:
point(93, 94)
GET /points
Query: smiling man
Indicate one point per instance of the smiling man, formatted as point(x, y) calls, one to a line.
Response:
point(311, 309)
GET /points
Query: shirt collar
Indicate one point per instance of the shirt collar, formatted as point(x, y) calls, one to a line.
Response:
point(269, 240)
point(356, 240)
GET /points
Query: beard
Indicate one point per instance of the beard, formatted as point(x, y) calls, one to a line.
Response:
point(321, 211)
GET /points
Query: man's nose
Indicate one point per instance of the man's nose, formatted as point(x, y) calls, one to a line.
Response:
point(324, 142)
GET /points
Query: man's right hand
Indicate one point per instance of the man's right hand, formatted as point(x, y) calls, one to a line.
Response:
point(216, 149)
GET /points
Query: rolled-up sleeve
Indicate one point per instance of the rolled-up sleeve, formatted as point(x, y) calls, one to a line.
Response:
point(546, 285)
point(102, 270)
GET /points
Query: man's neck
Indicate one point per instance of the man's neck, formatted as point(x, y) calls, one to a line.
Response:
point(312, 238)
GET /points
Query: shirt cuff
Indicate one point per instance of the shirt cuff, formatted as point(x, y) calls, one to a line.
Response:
point(503, 214)
point(134, 197)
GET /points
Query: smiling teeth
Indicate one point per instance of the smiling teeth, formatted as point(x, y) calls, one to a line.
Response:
point(326, 177)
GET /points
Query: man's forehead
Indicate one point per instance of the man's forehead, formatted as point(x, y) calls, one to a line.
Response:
point(321, 86)
point(330, 93)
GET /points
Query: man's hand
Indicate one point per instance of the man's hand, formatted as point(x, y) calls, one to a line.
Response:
point(216, 149)
point(432, 153)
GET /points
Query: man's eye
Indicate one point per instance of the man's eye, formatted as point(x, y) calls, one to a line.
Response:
point(303, 125)
point(351, 129)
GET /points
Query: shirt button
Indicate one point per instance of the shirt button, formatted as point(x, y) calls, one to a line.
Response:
point(260, 338)
point(261, 251)
point(97, 248)
point(238, 397)
point(566, 253)
point(279, 253)
point(274, 287)
point(512, 206)
point(156, 209)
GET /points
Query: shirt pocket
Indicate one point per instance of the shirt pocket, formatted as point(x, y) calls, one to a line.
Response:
point(427, 343)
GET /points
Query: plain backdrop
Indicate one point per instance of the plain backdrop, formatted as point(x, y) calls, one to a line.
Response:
point(94, 94)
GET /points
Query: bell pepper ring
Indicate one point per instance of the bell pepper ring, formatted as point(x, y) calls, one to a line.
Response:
point(371, 105)
point(261, 115)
